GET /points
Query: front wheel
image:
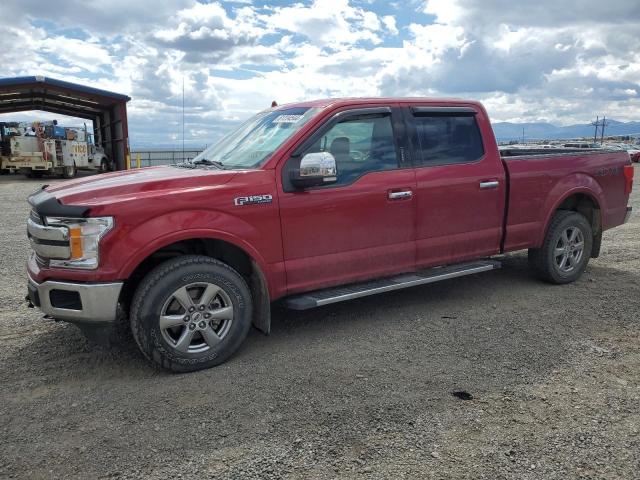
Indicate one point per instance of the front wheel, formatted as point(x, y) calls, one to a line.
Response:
point(190, 313)
point(566, 249)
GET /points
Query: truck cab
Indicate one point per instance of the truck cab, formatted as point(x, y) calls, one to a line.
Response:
point(309, 204)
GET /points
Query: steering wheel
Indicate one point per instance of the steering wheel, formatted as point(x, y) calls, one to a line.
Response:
point(357, 155)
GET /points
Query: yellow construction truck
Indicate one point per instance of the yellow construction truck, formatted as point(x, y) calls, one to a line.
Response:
point(47, 148)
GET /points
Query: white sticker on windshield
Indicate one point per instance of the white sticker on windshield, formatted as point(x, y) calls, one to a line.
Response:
point(287, 118)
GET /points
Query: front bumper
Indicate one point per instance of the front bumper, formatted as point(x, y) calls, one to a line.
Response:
point(81, 303)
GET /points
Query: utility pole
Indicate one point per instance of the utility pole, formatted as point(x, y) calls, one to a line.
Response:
point(599, 123)
point(523, 135)
point(604, 124)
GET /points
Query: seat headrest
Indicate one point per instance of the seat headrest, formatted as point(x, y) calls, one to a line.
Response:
point(340, 146)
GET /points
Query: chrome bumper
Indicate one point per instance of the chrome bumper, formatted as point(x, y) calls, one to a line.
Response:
point(628, 215)
point(82, 303)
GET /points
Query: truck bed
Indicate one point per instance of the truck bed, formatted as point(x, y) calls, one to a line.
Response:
point(541, 179)
point(528, 152)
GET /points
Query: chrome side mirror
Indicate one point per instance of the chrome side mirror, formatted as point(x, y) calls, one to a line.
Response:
point(316, 169)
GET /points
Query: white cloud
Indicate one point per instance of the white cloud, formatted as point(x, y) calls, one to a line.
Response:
point(390, 24)
point(332, 23)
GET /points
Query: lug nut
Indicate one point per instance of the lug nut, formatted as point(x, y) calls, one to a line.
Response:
point(192, 326)
point(187, 318)
point(192, 309)
point(202, 324)
point(207, 315)
point(201, 307)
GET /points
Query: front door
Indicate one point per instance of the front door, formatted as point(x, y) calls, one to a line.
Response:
point(362, 226)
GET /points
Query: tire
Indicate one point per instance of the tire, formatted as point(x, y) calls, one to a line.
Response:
point(104, 166)
point(35, 174)
point(200, 341)
point(560, 259)
point(69, 171)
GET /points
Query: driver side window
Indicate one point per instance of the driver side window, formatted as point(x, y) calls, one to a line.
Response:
point(360, 145)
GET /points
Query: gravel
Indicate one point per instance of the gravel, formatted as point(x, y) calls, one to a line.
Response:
point(547, 381)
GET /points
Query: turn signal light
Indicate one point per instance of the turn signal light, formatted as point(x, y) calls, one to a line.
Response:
point(75, 239)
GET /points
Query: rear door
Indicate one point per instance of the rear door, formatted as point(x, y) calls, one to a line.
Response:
point(363, 225)
point(460, 197)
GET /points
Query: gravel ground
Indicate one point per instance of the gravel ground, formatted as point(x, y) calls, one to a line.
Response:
point(355, 390)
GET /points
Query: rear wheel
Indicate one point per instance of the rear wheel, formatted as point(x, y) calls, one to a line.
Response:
point(104, 166)
point(191, 313)
point(566, 249)
point(69, 171)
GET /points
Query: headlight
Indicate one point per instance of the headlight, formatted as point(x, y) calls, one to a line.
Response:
point(84, 240)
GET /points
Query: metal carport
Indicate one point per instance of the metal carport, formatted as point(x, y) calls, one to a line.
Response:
point(107, 110)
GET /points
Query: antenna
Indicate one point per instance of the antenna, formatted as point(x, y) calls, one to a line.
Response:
point(183, 118)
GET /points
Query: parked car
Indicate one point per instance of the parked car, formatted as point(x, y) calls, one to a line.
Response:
point(634, 154)
point(309, 204)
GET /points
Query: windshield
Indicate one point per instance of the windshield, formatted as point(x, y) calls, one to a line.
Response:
point(253, 142)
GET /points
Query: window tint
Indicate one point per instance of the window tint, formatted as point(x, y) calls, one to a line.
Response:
point(359, 144)
point(448, 139)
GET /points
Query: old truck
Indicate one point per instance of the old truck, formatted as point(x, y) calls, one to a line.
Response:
point(310, 204)
point(48, 148)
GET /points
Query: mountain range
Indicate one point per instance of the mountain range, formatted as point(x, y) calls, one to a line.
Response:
point(538, 131)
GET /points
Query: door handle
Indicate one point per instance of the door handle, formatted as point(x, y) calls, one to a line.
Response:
point(400, 195)
point(489, 184)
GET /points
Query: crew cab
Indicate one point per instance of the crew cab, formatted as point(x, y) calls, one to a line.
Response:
point(310, 204)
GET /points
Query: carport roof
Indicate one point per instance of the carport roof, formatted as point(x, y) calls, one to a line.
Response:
point(57, 96)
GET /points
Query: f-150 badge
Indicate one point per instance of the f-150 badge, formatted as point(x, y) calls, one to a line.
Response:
point(253, 199)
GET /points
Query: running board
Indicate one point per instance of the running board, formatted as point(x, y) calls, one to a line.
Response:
point(357, 290)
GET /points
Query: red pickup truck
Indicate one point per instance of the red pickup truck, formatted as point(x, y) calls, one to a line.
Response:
point(311, 203)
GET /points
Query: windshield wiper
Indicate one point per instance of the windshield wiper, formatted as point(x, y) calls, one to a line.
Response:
point(213, 163)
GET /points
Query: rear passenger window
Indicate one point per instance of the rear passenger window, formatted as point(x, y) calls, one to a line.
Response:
point(446, 139)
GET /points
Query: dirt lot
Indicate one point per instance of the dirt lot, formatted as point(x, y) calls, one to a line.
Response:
point(356, 390)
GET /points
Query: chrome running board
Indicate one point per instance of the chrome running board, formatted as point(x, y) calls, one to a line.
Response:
point(327, 296)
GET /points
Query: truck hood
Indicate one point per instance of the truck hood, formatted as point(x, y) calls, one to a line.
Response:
point(121, 186)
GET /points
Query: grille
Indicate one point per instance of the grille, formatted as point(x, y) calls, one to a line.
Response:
point(35, 217)
point(47, 241)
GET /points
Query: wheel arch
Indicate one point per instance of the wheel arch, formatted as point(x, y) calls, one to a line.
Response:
point(247, 265)
point(586, 202)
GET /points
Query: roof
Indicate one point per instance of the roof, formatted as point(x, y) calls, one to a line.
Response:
point(339, 102)
point(61, 83)
point(57, 96)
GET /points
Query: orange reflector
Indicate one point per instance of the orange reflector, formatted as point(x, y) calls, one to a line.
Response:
point(76, 242)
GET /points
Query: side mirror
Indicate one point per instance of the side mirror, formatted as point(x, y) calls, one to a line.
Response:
point(316, 169)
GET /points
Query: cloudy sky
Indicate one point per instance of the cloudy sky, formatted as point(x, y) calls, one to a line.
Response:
point(562, 61)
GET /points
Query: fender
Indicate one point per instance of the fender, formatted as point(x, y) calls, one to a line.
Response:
point(566, 187)
point(133, 246)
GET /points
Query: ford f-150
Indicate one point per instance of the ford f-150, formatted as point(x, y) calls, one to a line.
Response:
point(309, 204)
